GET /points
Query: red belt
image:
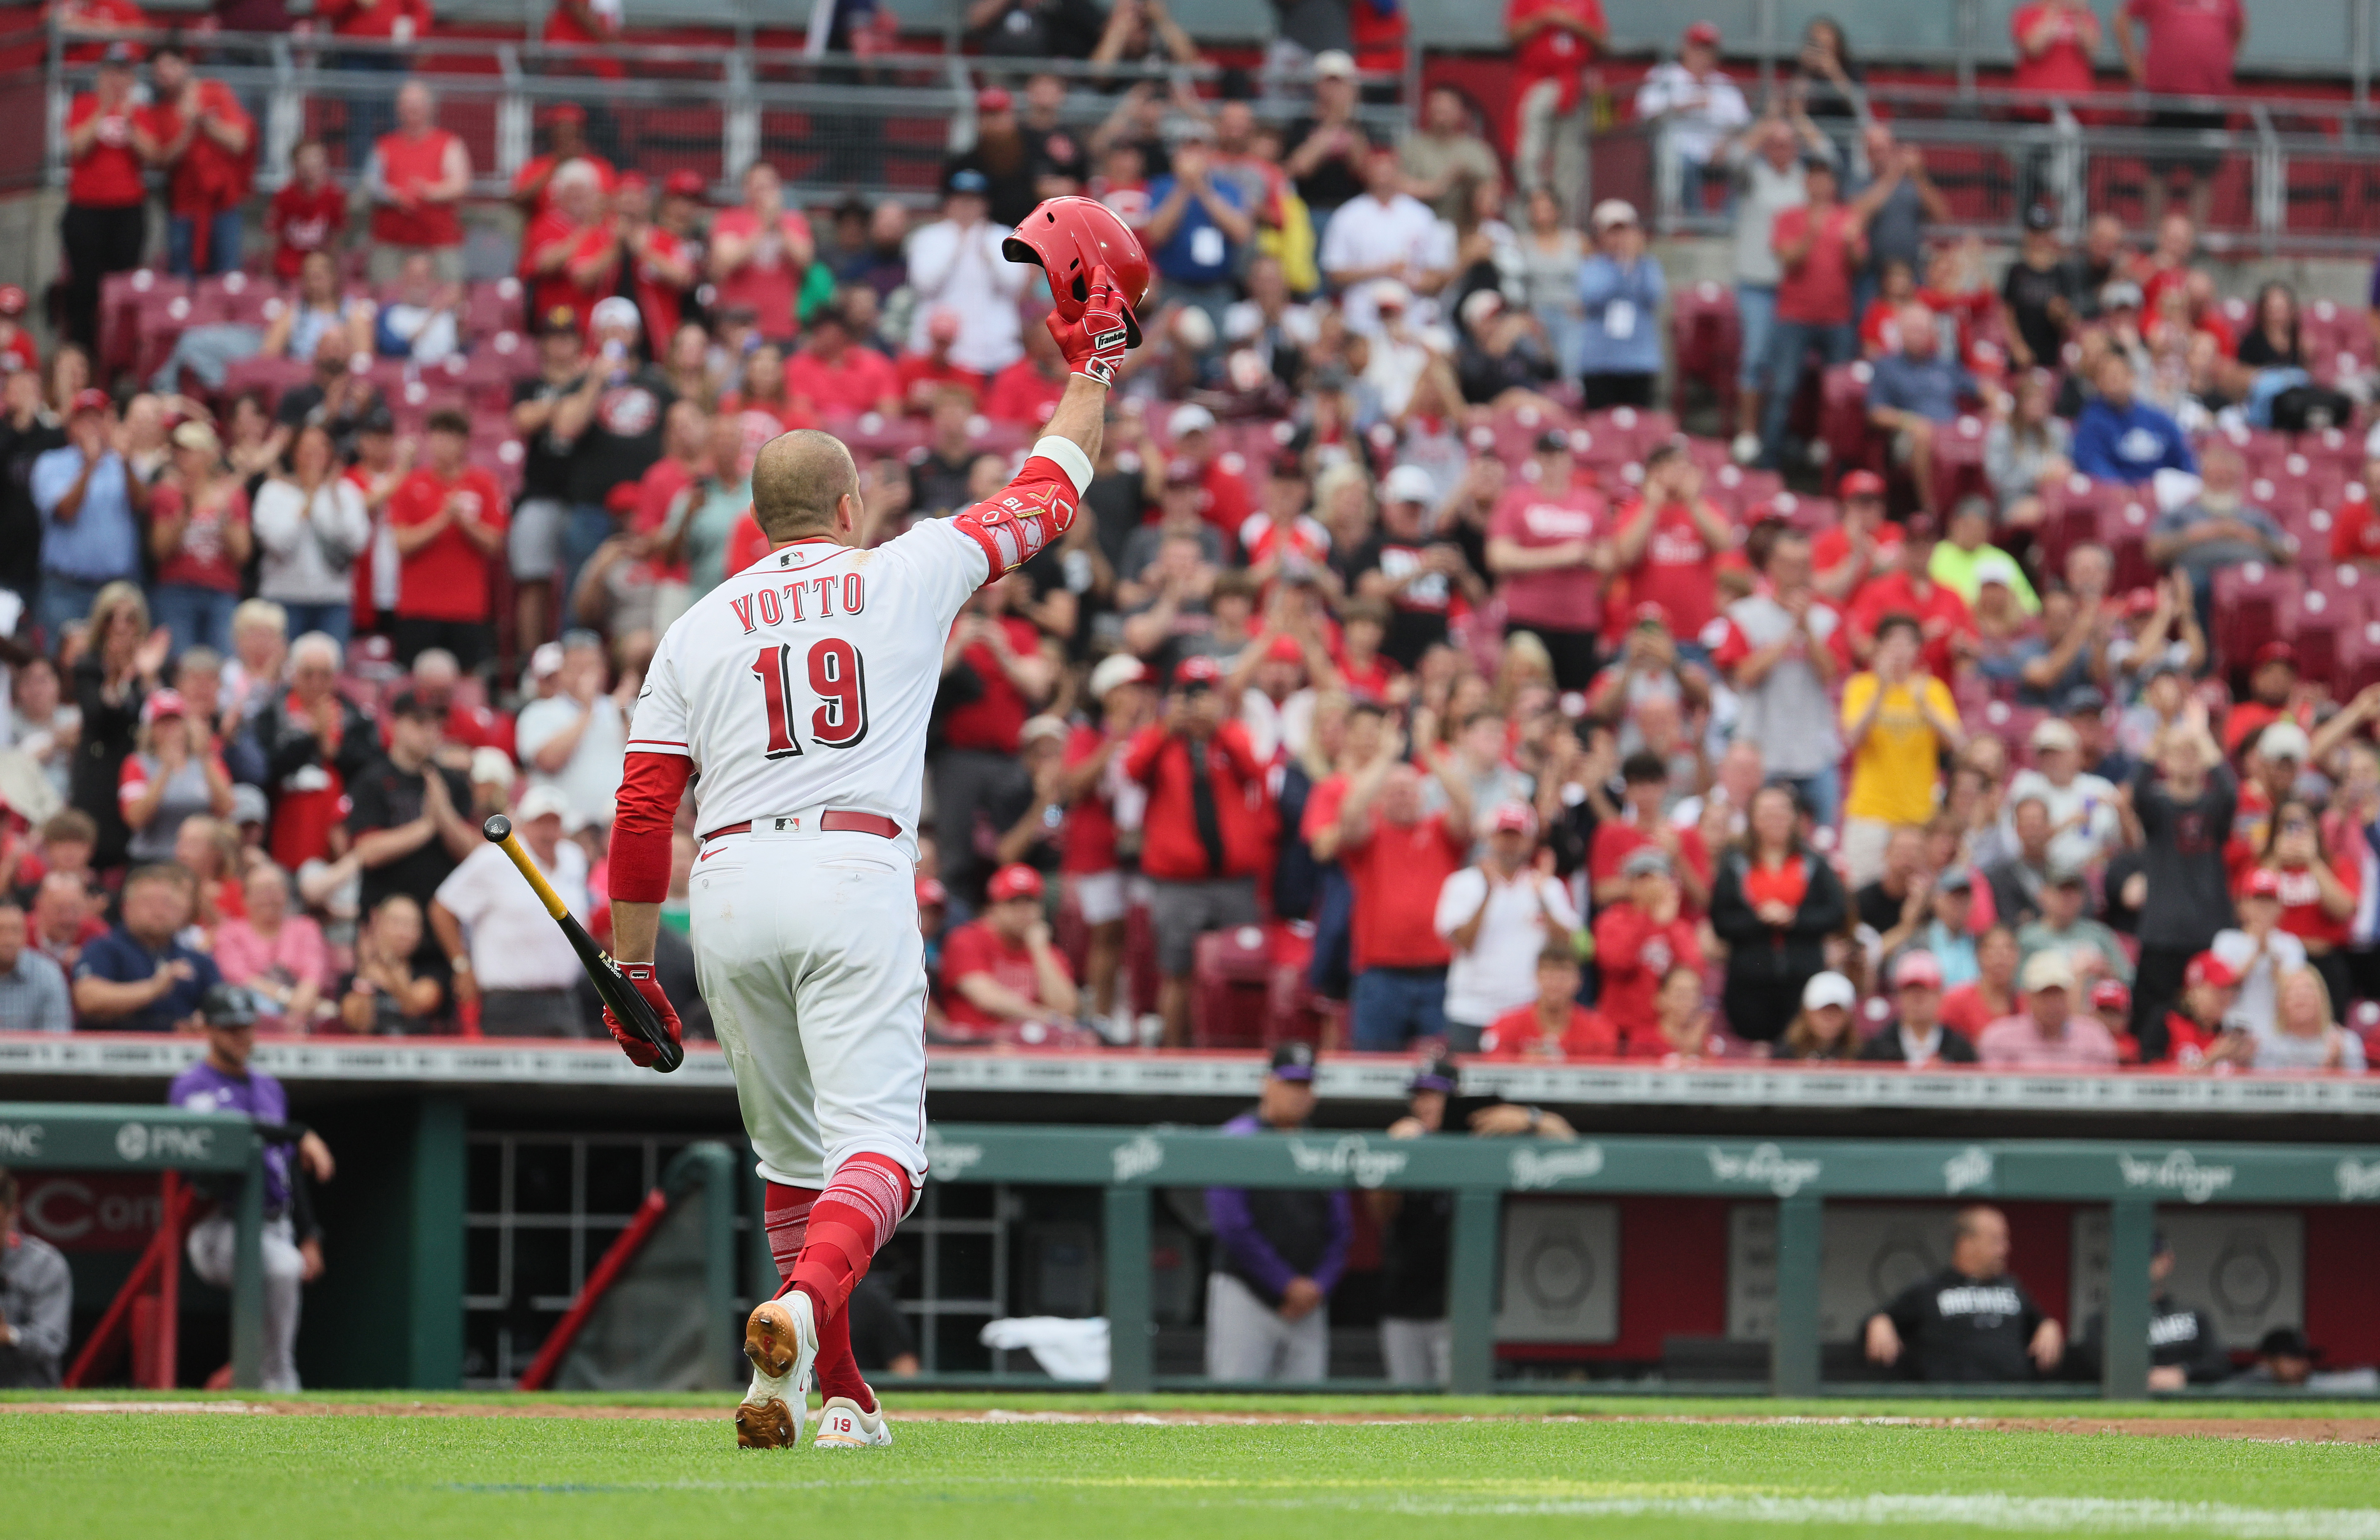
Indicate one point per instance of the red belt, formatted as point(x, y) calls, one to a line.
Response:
point(833, 821)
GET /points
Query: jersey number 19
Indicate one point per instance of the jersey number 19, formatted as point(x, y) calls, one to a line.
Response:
point(836, 677)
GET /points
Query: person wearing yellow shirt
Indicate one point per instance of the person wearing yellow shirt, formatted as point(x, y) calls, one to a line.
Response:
point(1898, 722)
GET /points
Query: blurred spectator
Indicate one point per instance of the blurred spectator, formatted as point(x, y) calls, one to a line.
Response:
point(1827, 81)
point(1103, 807)
point(760, 251)
point(2066, 928)
point(2036, 293)
point(2306, 1036)
point(1004, 156)
point(1553, 1025)
point(173, 774)
point(36, 1299)
point(575, 742)
point(614, 425)
point(140, 977)
point(1002, 978)
point(1638, 939)
point(2120, 438)
point(533, 540)
point(405, 813)
point(1913, 390)
point(1818, 244)
point(1554, 43)
point(1767, 161)
point(307, 215)
point(311, 524)
point(566, 141)
point(2189, 53)
point(502, 946)
point(570, 253)
point(2048, 1033)
point(418, 179)
point(106, 224)
point(1643, 823)
point(64, 917)
point(1622, 291)
point(588, 25)
point(206, 143)
point(1971, 1322)
point(1966, 559)
point(88, 26)
point(316, 745)
point(1904, 199)
point(449, 519)
point(2217, 528)
point(1917, 1036)
point(1783, 649)
point(1666, 545)
point(33, 995)
point(1329, 161)
point(1426, 581)
point(955, 267)
point(2027, 452)
point(1443, 154)
point(89, 505)
point(386, 995)
point(662, 265)
point(834, 376)
point(1381, 241)
point(1027, 392)
point(1197, 228)
point(2018, 880)
point(201, 539)
point(2055, 43)
point(1698, 109)
point(117, 673)
point(338, 394)
point(41, 725)
point(1898, 722)
point(1546, 545)
point(279, 958)
point(2081, 807)
point(2179, 811)
point(1774, 901)
point(1035, 29)
point(2254, 956)
point(933, 383)
point(1823, 1027)
point(1201, 842)
point(1279, 1252)
point(1398, 858)
point(1497, 915)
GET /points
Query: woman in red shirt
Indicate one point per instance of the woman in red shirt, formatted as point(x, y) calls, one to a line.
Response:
point(1554, 1025)
point(2318, 896)
point(106, 223)
point(198, 536)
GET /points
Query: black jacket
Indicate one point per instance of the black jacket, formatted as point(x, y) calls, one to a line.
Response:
point(1758, 954)
point(1885, 1048)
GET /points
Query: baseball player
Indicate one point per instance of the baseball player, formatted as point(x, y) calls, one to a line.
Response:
point(798, 691)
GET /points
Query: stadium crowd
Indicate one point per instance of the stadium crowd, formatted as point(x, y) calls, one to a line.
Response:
point(1409, 675)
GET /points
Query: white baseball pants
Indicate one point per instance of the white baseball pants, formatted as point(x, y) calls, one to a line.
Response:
point(808, 951)
point(215, 1256)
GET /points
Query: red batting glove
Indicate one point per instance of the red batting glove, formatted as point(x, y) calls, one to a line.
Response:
point(1095, 344)
point(640, 1052)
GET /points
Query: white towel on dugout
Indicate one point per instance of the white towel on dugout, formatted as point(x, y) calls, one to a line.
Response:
point(1065, 1348)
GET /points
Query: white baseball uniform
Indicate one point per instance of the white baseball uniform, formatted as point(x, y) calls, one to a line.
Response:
point(800, 688)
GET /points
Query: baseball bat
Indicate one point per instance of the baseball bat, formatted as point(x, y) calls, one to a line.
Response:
point(633, 1010)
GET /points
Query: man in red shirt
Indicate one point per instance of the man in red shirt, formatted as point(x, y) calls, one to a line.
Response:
point(1637, 942)
point(1091, 867)
point(106, 224)
point(1002, 979)
point(310, 213)
point(661, 269)
point(1643, 825)
point(1223, 500)
point(448, 520)
point(207, 144)
point(1207, 831)
point(565, 140)
point(1818, 247)
point(996, 673)
point(1667, 547)
point(1865, 543)
point(834, 376)
point(1553, 41)
point(1554, 1025)
point(1027, 392)
point(924, 376)
point(419, 177)
point(759, 250)
point(2055, 42)
point(1943, 619)
point(570, 254)
point(1397, 858)
point(2189, 53)
point(392, 21)
point(1546, 550)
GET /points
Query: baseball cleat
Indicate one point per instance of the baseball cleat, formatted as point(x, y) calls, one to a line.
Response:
point(782, 1341)
point(842, 1425)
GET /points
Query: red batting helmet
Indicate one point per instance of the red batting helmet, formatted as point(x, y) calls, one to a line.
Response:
point(1069, 237)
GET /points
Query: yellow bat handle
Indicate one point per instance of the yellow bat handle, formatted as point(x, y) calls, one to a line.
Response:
point(499, 831)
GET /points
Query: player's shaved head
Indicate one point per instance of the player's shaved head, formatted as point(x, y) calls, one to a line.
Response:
point(797, 480)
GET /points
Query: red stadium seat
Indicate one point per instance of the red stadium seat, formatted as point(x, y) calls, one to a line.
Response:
point(2359, 660)
point(1959, 461)
point(2124, 529)
point(120, 297)
point(1842, 418)
point(2248, 601)
point(2310, 621)
point(1230, 984)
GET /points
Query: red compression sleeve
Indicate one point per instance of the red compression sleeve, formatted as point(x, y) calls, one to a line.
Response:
point(641, 831)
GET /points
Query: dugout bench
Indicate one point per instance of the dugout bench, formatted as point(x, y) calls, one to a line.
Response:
point(87, 1137)
point(1801, 1176)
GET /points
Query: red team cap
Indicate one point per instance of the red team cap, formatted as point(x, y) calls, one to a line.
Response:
point(683, 183)
point(1284, 650)
point(1067, 238)
point(1917, 967)
point(1198, 668)
point(12, 300)
point(2208, 969)
point(2109, 994)
point(93, 399)
point(1860, 484)
point(1703, 33)
point(2263, 882)
point(1013, 880)
point(162, 704)
point(1514, 817)
point(931, 895)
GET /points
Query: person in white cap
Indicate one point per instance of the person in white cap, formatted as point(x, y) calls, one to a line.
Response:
point(1825, 1027)
point(504, 949)
point(2085, 824)
point(1386, 236)
point(1423, 579)
point(2048, 1033)
point(1622, 291)
point(1327, 162)
point(1495, 916)
point(612, 422)
point(1698, 107)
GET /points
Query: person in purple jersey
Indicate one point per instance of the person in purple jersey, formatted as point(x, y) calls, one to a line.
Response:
point(1278, 1253)
point(222, 1082)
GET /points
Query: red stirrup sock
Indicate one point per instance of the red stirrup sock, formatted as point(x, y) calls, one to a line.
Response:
point(851, 1219)
point(788, 1221)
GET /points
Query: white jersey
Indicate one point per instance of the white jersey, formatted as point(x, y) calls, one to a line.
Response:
point(806, 680)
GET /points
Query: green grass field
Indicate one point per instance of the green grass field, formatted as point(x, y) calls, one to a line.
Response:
point(1516, 1469)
